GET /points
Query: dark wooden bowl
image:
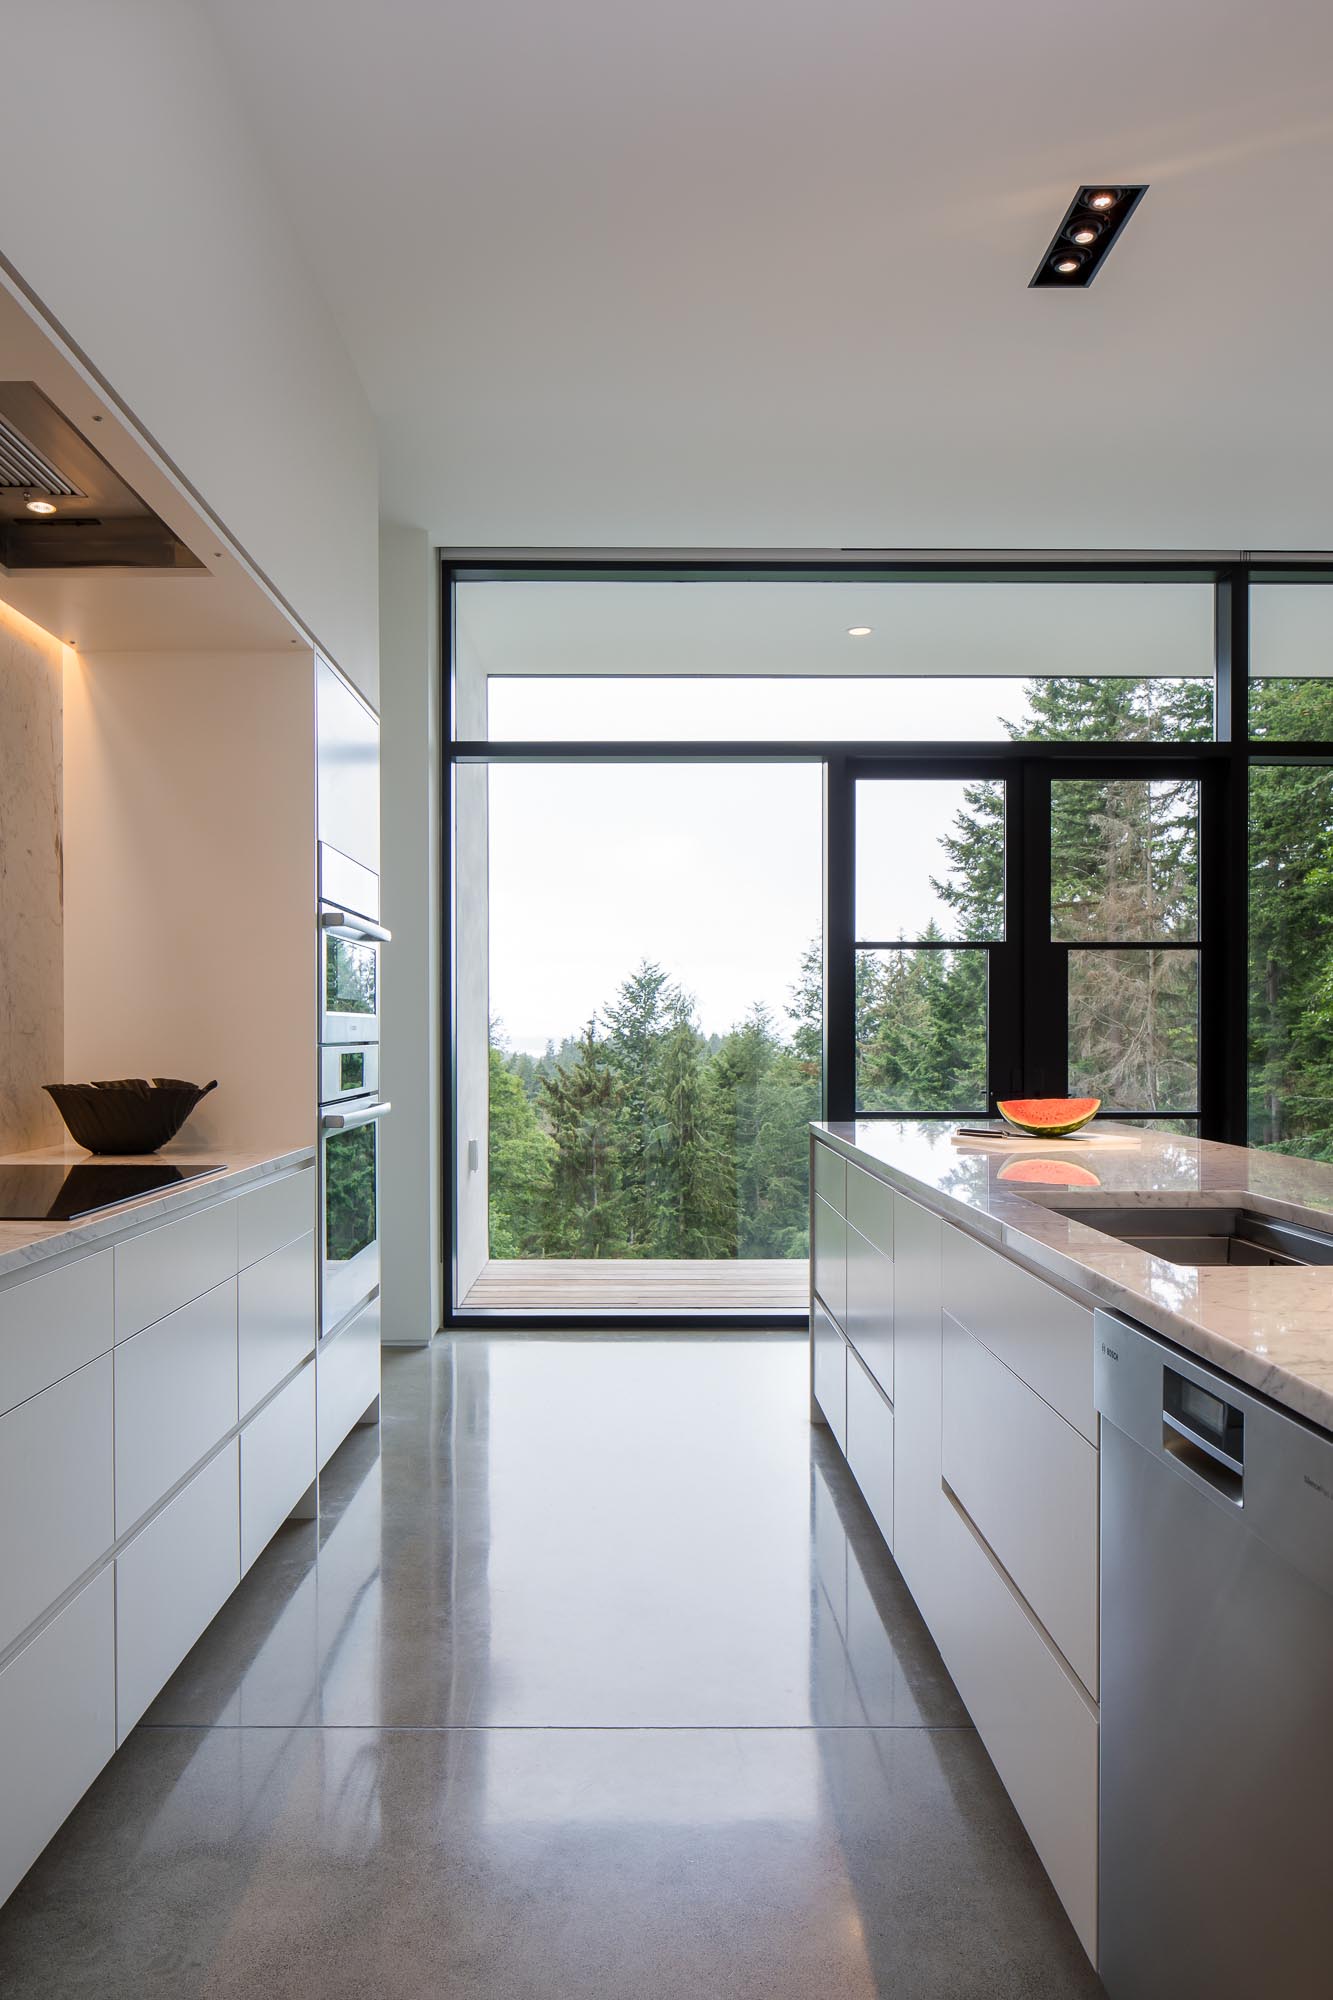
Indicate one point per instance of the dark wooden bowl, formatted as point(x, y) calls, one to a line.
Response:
point(129, 1115)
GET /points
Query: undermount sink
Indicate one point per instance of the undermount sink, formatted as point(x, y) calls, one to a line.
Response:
point(1197, 1236)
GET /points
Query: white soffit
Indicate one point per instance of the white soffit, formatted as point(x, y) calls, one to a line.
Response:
point(942, 628)
point(618, 274)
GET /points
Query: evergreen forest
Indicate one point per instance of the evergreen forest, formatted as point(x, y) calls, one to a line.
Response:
point(642, 1136)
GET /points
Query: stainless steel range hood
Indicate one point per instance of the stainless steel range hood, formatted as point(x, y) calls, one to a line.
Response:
point(95, 520)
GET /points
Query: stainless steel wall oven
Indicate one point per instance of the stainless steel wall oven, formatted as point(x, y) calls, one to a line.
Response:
point(351, 1107)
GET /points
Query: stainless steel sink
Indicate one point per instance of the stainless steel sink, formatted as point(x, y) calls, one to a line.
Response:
point(1197, 1236)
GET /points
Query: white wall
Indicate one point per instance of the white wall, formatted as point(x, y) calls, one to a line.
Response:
point(410, 1157)
point(190, 883)
point(136, 209)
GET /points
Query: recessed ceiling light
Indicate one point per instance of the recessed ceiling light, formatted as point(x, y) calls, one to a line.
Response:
point(859, 631)
point(1092, 222)
point(39, 507)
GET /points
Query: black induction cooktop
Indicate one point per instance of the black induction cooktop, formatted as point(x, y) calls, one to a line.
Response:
point(45, 1193)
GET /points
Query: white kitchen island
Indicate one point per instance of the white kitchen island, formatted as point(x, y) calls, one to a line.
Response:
point(952, 1294)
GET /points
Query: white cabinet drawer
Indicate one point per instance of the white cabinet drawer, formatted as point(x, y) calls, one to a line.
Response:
point(828, 1362)
point(1028, 1480)
point(275, 1315)
point(828, 1254)
point(52, 1324)
point(175, 1398)
point(870, 1208)
point(1037, 1724)
point(165, 1268)
point(869, 1322)
point(348, 1380)
point(271, 1215)
point(57, 1724)
point(830, 1177)
point(55, 1493)
point(1043, 1336)
point(277, 1463)
point(172, 1580)
point(870, 1444)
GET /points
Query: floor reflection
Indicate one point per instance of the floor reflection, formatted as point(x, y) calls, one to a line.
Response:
point(594, 1678)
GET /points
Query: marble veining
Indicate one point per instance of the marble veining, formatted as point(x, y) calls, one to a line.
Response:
point(23, 1244)
point(32, 1028)
point(1270, 1327)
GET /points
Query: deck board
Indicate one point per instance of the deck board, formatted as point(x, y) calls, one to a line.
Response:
point(637, 1285)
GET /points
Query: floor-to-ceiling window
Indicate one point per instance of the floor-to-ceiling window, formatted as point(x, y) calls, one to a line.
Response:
point(729, 849)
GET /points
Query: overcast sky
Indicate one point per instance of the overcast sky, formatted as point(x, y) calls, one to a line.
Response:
point(712, 871)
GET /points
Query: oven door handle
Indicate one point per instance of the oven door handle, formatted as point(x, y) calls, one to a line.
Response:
point(343, 924)
point(347, 1121)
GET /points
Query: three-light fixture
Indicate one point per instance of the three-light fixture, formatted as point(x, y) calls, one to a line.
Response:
point(1091, 224)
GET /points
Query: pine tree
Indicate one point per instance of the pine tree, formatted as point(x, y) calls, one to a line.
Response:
point(583, 1204)
point(521, 1162)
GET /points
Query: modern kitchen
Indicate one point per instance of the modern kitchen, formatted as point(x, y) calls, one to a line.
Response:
point(666, 1013)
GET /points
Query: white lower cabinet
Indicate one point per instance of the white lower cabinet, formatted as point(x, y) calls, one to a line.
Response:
point(1028, 1482)
point(347, 1380)
point(869, 1446)
point(57, 1724)
point(918, 1247)
point(1038, 1724)
point(277, 1463)
point(275, 1313)
point(869, 1322)
point(56, 1487)
point(175, 1398)
point(828, 1378)
point(172, 1580)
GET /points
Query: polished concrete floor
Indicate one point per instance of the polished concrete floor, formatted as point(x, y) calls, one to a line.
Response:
point(593, 1682)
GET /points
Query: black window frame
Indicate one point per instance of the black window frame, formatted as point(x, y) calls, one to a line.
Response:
point(1221, 767)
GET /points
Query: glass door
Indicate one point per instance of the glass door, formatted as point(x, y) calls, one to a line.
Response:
point(1031, 926)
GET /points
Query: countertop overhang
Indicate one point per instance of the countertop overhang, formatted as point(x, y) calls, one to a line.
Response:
point(27, 1245)
point(1270, 1327)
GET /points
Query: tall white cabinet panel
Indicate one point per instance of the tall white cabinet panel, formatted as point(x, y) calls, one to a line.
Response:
point(277, 1463)
point(57, 1724)
point(347, 1381)
point(56, 1487)
point(275, 1318)
point(349, 786)
point(172, 1580)
point(175, 1398)
point(1043, 1336)
point(52, 1324)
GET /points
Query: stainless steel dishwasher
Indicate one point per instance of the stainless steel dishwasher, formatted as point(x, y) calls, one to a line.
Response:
point(1216, 1684)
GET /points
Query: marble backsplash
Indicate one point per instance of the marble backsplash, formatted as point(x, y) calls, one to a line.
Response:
point(32, 1026)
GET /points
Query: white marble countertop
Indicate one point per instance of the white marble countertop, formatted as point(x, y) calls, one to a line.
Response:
point(1271, 1327)
point(24, 1245)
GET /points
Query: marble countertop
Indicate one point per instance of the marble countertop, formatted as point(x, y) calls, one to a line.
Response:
point(1270, 1327)
point(24, 1245)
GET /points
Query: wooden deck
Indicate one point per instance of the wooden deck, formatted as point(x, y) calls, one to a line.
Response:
point(599, 1286)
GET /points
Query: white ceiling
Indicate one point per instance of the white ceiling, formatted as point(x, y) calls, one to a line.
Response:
point(753, 273)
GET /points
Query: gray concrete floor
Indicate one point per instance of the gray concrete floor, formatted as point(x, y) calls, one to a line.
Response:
point(593, 1682)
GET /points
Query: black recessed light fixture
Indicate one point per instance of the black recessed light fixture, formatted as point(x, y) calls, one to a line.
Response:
point(1091, 224)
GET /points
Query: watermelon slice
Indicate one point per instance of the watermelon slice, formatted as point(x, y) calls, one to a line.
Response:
point(1049, 1173)
point(1048, 1117)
